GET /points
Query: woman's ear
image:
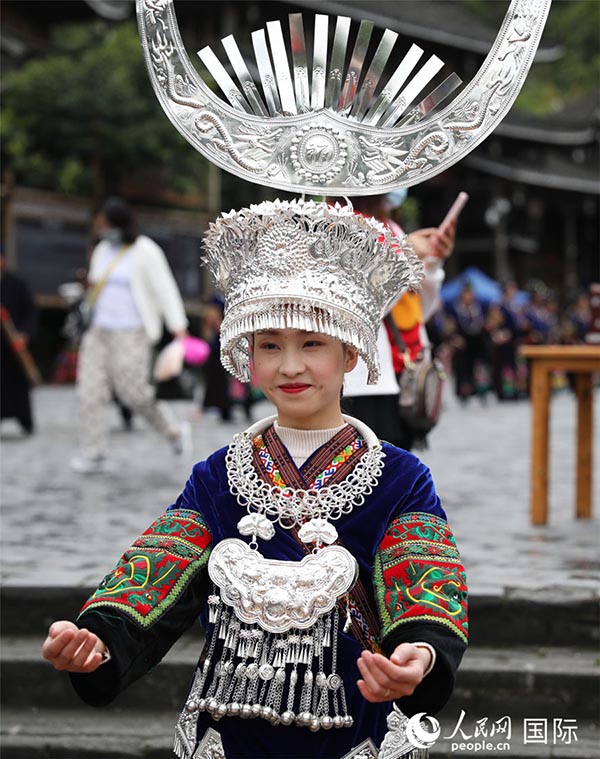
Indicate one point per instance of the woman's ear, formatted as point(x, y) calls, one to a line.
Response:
point(351, 359)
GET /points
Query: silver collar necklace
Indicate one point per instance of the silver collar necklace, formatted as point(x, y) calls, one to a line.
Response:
point(291, 507)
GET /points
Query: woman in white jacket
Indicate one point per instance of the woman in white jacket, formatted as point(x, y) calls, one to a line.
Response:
point(134, 291)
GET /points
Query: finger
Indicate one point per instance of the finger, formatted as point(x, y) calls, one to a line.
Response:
point(375, 679)
point(400, 679)
point(92, 663)
point(65, 657)
point(52, 647)
point(368, 694)
point(83, 652)
point(403, 654)
point(57, 627)
point(390, 669)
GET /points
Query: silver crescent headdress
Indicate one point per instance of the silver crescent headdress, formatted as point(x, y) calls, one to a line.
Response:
point(339, 130)
point(331, 136)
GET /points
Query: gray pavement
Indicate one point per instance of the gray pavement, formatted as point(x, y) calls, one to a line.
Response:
point(64, 529)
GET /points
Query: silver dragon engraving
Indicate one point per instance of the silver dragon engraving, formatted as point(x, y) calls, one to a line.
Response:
point(261, 148)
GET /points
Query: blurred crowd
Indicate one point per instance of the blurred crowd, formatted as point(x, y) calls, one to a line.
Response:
point(475, 333)
point(478, 341)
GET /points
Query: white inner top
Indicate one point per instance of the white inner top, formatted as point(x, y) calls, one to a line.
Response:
point(115, 308)
point(302, 443)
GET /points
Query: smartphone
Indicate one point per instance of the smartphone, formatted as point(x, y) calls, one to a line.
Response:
point(455, 209)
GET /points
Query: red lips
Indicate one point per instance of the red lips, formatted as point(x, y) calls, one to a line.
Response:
point(294, 387)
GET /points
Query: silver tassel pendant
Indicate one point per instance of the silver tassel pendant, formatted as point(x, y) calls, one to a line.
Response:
point(213, 606)
point(348, 623)
point(285, 678)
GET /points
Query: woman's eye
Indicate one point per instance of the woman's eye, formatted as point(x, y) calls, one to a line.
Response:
point(312, 343)
point(268, 346)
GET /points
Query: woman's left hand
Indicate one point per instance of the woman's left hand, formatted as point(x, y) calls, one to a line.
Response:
point(386, 679)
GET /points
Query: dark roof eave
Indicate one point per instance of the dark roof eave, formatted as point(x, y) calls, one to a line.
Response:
point(537, 177)
point(547, 134)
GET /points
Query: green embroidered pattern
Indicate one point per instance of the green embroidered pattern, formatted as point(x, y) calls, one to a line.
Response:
point(418, 575)
point(151, 576)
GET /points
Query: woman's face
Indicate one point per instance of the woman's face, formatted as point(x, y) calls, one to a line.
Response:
point(107, 231)
point(302, 374)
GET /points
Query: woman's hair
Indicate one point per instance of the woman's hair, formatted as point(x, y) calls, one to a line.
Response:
point(118, 213)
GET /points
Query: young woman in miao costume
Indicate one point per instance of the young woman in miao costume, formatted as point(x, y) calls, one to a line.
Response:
point(317, 557)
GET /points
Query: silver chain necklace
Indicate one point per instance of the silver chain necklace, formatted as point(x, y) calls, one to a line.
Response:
point(291, 507)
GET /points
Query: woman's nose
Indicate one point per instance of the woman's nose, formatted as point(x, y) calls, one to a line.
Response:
point(291, 362)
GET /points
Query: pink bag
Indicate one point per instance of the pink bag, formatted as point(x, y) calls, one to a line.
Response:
point(195, 351)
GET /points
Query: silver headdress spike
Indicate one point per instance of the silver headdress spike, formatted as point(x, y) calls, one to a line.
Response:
point(336, 130)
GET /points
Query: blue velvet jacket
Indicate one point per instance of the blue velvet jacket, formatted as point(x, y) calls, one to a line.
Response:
point(408, 564)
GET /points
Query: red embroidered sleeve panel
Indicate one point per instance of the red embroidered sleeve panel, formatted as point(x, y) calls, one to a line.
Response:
point(155, 571)
point(419, 577)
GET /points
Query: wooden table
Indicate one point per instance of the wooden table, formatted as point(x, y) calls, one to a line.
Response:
point(583, 361)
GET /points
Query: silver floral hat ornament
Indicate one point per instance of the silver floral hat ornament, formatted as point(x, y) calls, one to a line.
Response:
point(345, 125)
point(305, 265)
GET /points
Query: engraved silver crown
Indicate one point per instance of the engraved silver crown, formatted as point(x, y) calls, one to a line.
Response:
point(305, 265)
point(342, 125)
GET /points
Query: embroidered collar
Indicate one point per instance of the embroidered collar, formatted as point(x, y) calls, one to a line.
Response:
point(330, 463)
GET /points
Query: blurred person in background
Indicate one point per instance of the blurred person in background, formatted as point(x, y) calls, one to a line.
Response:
point(470, 361)
point(138, 293)
point(222, 391)
point(18, 307)
point(574, 327)
point(377, 405)
point(502, 337)
point(513, 310)
point(540, 314)
point(216, 377)
point(577, 319)
point(504, 325)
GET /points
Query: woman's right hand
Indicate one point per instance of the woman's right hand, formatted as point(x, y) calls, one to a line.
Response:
point(67, 647)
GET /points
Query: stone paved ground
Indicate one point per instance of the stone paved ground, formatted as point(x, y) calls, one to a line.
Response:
point(64, 529)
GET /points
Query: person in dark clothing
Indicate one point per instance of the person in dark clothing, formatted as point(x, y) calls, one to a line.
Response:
point(470, 358)
point(216, 393)
point(16, 299)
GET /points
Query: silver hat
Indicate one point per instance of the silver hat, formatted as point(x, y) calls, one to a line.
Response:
point(306, 265)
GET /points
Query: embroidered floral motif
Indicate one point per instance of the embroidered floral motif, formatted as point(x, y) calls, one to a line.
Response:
point(157, 568)
point(419, 576)
point(273, 473)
